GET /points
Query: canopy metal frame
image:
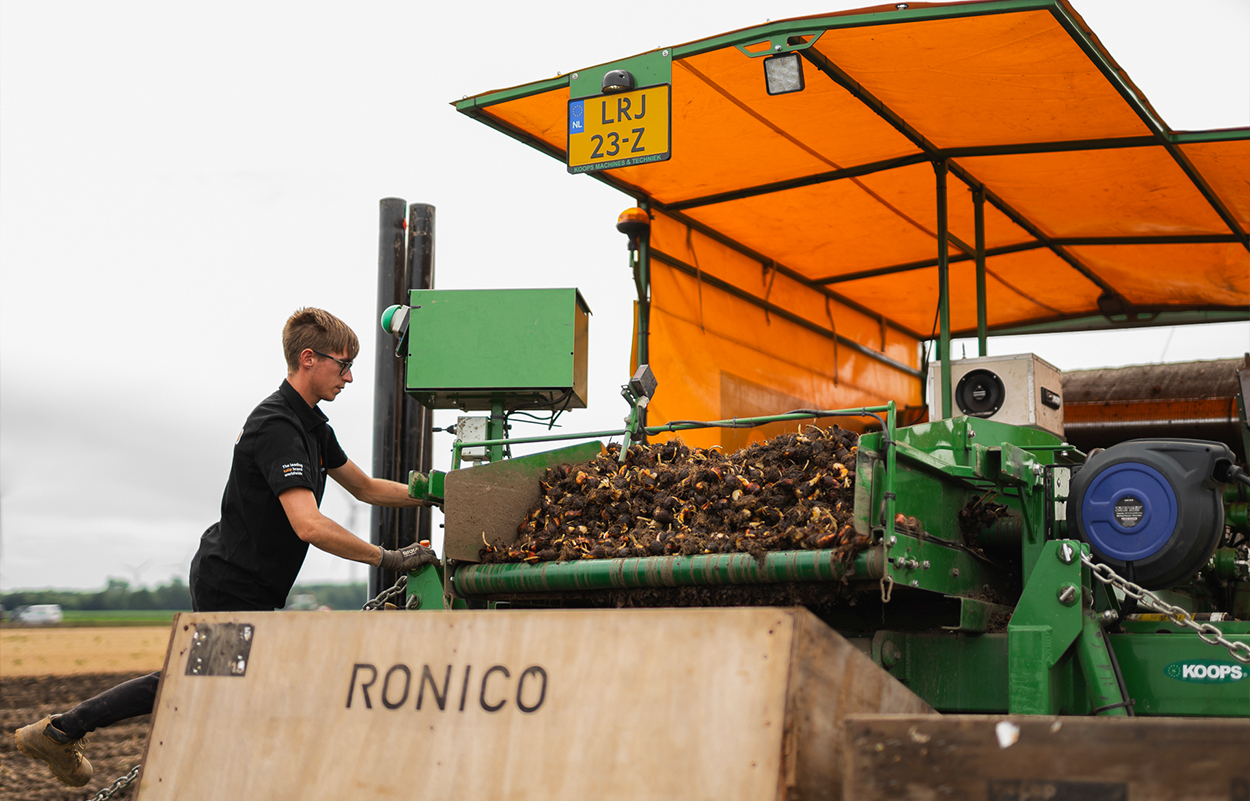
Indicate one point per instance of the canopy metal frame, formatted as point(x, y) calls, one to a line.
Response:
point(1117, 311)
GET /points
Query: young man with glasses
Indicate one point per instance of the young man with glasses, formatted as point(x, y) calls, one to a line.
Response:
point(270, 514)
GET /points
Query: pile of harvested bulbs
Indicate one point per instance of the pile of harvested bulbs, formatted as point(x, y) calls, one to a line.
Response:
point(792, 492)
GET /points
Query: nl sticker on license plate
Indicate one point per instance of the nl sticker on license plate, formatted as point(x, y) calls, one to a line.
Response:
point(620, 130)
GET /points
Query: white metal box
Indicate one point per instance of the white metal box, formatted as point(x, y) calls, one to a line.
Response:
point(1022, 390)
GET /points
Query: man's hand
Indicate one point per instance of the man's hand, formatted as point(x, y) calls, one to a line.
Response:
point(408, 558)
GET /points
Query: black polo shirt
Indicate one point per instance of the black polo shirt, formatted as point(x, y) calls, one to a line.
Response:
point(249, 560)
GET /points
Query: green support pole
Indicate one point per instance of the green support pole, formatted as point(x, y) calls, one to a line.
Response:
point(1046, 621)
point(978, 209)
point(644, 298)
point(944, 301)
point(891, 455)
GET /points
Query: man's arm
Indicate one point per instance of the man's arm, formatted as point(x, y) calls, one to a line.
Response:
point(373, 491)
point(321, 532)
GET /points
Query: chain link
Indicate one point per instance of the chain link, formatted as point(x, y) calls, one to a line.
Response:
point(396, 590)
point(1206, 632)
point(117, 786)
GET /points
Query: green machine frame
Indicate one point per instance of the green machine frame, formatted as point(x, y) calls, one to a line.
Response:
point(1003, 614)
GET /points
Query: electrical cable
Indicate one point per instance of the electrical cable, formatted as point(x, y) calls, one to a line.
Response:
point(1127, 703)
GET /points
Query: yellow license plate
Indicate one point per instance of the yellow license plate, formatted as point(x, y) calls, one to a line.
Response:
point(620, 130)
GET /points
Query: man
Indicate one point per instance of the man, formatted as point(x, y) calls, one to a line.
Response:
point(270, 514)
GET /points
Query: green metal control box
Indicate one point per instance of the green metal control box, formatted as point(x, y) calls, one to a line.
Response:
point(471, 348)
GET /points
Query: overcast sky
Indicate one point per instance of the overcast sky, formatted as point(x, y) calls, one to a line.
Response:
point(177, 178)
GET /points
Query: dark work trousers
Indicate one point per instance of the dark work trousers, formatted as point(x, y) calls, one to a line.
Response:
point(137, 696)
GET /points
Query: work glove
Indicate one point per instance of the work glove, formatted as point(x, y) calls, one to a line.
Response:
point(408, 558)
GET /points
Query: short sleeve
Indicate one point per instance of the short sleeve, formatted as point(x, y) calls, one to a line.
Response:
point(335, 457)
point(282, 458)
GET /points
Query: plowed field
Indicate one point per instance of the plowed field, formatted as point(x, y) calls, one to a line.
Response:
point(46, 671)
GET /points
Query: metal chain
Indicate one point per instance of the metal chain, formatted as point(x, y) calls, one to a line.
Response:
point(1206, 632)
point(396, 590)
point(117, 786)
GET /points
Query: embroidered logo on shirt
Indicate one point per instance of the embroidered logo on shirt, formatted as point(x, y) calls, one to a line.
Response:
point(293, 470)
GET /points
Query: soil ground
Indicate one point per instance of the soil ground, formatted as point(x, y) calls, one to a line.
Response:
point(71, 665)
point(113, 751)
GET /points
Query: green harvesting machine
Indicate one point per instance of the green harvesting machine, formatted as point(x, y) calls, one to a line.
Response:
point(820, 206)
point(999, 569)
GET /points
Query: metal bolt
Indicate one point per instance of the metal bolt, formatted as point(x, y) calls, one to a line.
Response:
point(1067, 554)
point(890, 654)
point(915, 583)
point(777, 48)
point(664, 52)
point(893, 540)
point(575, 76)
point(926, 564)
point(1067, 595)
point(1108, 617)
point(954, 572)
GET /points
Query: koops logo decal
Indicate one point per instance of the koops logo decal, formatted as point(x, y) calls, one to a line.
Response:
point(1207, 672)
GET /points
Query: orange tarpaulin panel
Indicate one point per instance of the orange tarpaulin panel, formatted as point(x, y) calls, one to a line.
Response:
point(1140, 190)
point(1226, 167)
point(787, 223)
point(1000, 78)
point(717, 355)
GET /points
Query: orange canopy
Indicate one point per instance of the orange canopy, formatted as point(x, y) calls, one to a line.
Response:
point(796, 251)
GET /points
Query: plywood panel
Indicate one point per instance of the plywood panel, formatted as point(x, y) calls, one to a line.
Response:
point(995, 758)
point(486, 503)
point(626, 704)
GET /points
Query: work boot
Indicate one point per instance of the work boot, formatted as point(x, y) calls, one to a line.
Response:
point(64, 756)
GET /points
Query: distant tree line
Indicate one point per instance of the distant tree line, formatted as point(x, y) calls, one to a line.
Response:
point(175, 595)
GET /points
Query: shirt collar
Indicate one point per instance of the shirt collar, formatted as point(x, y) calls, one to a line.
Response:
point(310, 417)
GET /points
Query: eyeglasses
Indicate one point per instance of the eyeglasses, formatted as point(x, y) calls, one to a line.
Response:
point(343, 366)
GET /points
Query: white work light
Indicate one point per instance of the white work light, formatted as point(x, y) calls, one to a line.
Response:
point(784, 74)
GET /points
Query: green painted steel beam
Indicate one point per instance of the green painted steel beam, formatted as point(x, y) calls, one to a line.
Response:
point(926, 263)
point(1046, 622)
point(796, 183)
point(907, 161)
point(978, 222)
point(1002, 250)
point(1198, 137)
point(941, 168)
point(843, 79)
point(1099, 322)
point(1152, 121)
point(892, 16)
point(655, 571)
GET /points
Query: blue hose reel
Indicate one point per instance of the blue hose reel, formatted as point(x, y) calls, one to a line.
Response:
point(1151, 509)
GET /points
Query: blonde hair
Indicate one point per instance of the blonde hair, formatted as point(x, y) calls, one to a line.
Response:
point(319, 330)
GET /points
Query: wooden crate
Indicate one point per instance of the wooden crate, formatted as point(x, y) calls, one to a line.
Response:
point(625, 704)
